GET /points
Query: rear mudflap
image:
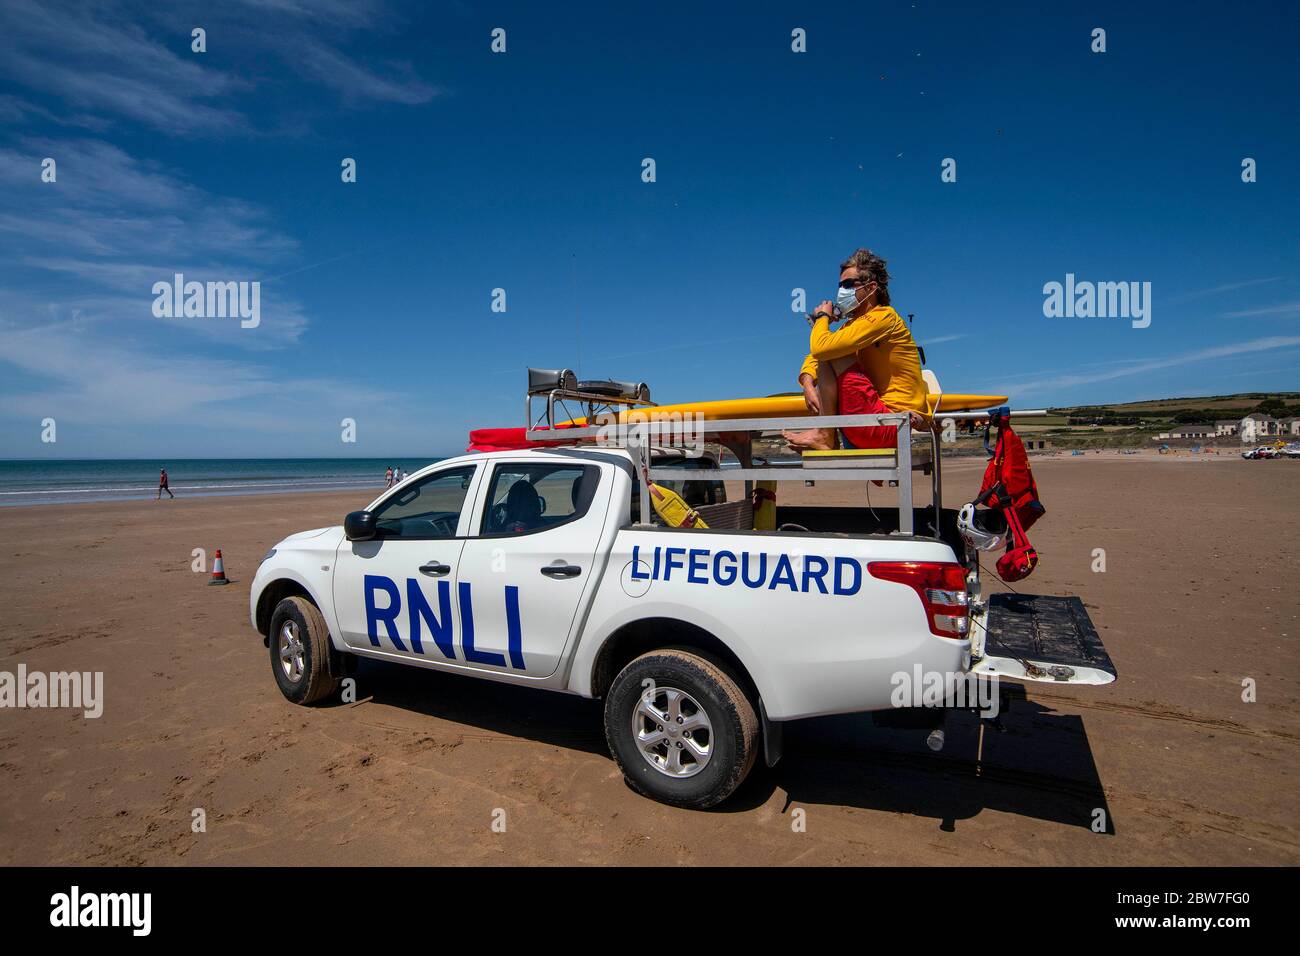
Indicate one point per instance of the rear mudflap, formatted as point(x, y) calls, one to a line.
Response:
point(1034, 637)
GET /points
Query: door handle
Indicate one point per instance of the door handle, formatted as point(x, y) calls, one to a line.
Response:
point(561, 570)
point(435, 569)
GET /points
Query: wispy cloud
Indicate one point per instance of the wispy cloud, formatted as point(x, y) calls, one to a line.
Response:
point(92, 58)
point(79, 256)
point(94, 378)
point(112, 225)
point(114, 61)
point(1256, 372)
point(353, 13)
point(330, 67)
point(1282, 308)
point(1226, 287)
point(1045, 383)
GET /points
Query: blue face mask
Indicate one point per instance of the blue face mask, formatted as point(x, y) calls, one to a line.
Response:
point(846, 300)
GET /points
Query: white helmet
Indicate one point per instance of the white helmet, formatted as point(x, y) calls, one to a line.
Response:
point(976, 537)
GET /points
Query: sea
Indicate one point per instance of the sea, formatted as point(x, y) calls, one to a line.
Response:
point(41, 482)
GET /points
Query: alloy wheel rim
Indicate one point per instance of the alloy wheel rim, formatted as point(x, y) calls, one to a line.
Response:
point(672, 732)
point(293, 656)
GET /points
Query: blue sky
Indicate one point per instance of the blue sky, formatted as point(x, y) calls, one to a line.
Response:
point(522, 171)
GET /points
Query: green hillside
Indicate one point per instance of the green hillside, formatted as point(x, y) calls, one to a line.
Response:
point(1175, 411)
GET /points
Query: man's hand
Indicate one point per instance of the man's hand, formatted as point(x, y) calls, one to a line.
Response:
point(828, 307)
point(811, 397)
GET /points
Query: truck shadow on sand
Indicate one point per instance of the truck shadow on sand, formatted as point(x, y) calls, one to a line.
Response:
point(1040, 765)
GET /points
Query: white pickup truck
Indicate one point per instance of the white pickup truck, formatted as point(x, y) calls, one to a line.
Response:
point(534, 567)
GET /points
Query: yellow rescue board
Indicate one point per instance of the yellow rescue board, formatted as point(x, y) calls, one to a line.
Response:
point(791, 406)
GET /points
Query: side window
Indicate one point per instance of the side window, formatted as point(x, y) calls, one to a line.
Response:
point(430, 508)
point(524, 497)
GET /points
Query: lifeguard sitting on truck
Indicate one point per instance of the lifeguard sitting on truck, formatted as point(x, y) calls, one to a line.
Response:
point(868, 366)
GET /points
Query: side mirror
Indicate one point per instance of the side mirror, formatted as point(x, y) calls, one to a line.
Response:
point(360, 526)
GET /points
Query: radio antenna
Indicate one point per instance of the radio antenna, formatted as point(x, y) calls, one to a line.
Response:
point(577, 317)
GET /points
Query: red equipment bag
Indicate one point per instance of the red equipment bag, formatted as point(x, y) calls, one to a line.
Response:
point(1008, 481)
point(1009, 487)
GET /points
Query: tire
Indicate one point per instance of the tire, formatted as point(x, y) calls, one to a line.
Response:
point(301, 667)
point(677, 765)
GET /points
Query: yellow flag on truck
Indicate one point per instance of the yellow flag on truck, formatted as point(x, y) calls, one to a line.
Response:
point(673, 508)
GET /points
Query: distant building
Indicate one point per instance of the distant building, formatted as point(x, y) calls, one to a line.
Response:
point(1257, 426)
point(1226, 428)
point(1190, 431)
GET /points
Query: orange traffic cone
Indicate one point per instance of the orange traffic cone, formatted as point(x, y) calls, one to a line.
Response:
point(218, 570)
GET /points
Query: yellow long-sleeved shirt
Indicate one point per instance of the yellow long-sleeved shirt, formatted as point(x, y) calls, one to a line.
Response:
point(885, 349)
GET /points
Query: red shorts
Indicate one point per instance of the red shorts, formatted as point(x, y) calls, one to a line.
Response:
point(858, 396)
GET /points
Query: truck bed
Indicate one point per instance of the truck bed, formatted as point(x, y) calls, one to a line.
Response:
point(843, 520)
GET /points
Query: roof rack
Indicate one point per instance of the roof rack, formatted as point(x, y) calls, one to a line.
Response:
point(641, 428)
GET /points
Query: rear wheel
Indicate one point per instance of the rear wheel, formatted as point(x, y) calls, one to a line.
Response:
point(300, 647)
point(680, 728)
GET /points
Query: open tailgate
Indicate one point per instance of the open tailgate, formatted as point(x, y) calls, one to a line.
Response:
point(1034, 637)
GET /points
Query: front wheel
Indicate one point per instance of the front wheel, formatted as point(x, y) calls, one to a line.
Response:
point(680, 728)
point(300, 647)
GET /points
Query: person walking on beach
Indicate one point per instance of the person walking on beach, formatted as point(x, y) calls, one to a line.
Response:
point(398, 475)
point(388, 477)
point(162, 484)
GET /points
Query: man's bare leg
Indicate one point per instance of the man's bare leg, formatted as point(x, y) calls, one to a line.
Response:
point(828, 389)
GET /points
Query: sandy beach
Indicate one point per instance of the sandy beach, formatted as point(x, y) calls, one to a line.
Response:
point(1198, 594)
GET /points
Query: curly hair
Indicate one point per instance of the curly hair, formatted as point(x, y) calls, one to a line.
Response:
point(871, 266)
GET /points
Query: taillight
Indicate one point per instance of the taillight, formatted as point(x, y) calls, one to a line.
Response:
point(941, 586)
